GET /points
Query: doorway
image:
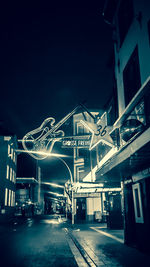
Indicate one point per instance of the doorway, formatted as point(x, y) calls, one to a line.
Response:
point(81, 209)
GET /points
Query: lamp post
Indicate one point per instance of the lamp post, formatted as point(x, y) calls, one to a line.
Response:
point(59, 156)
point(71, 180)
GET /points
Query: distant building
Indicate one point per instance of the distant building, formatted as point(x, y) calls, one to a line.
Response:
point(26, 196)
point(8, 164)
point(86, 203)
point(28, 181)
point(129, 164)
point(26, 190)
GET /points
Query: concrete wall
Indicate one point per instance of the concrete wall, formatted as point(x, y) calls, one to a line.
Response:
point(137, 35)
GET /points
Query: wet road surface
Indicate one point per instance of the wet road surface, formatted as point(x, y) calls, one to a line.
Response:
point(51, 240)
point(36, 242)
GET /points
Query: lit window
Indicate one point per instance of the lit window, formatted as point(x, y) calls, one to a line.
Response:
point(14, 157)
point(9, 198)
point(6, 196)
point(14, 176)
point(7, 138)
point(12, 151)
point(13, 179)
point(12, 198)
point(7, 174)
point(8, 150)
point(10, 174)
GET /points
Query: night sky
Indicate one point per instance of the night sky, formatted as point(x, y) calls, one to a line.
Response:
point(52, 58)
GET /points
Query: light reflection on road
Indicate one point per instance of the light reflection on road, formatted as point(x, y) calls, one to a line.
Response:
point(29, 222)
point(49, 221)
point(57, 220)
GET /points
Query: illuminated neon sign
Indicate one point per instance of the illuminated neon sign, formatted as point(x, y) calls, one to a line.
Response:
point(76, 143)
point(100, 132)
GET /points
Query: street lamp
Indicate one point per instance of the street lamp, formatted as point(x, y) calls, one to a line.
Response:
point(59, 156)
point(71, 180)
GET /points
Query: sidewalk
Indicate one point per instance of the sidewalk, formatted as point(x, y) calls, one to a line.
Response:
point(105, 247)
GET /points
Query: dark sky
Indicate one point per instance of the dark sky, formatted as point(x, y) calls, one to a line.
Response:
point(52, 58)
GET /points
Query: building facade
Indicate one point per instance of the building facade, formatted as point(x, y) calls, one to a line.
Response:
point(130, 22)
point(8, 164)
point(90, 198)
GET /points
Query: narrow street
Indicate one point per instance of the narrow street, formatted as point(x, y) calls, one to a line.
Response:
point(51, 241)
point(36, 242)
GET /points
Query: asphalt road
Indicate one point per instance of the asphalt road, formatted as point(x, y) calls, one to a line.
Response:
point(36, 242)
point(49, 240)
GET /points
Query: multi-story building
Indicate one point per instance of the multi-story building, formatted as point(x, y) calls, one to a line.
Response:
point(86, 199)
point(89, 198)
point(8, 163)
point(130, 22)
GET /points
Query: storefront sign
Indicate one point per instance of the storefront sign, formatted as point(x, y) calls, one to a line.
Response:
point(92, 195)
point(75, 143)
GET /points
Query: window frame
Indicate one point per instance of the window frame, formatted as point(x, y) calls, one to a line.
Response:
point(138, 219)
point(123, 29)
point(134, 58)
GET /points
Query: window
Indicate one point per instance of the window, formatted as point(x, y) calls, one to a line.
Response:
point(14, 157)
point(12, 152)
point(13, 178)
point(7, 174)
point(112, 110)
point(80, 173)
point(8, 150)
point(13, 199)
point(125, 17)
point(6, 196)
point(80, 129)
point(131, 77)
point(9, 197)
point(11, 174)
point(137, 203)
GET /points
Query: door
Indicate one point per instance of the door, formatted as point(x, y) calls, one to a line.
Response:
point(81, 208)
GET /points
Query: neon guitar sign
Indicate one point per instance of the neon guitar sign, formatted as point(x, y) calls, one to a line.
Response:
point(44, 137)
